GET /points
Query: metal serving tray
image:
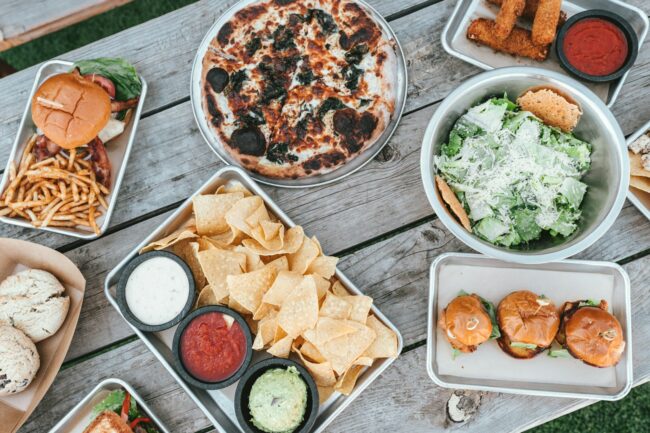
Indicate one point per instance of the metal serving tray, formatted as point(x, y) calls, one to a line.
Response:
point(118, 152)
point(456, 44)
point(80, 416)
point(640, 199)
point(349, 167)
point(491, 369)
point(218, 405)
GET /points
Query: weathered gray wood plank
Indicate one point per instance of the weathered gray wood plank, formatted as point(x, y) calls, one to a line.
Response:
point(403, 399)
point(161, 49)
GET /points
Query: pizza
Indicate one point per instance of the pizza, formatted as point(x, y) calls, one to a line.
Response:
point(298, 88)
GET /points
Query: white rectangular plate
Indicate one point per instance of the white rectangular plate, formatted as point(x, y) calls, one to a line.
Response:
point(489, 368)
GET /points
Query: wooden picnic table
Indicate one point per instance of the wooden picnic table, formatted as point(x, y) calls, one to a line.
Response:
point(377, 220)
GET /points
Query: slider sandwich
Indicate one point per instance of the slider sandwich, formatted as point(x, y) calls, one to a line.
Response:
point(467, 322)
point(590, 333)
point(528, 323)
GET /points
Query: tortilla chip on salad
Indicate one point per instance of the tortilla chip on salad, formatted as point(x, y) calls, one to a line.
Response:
point(452, 201)
point(642, 183)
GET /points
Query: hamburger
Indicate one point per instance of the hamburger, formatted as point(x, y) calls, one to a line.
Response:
point(118, 413)
point(590, 333)
point(467, 322)
point(86, 107)
point(528, 323)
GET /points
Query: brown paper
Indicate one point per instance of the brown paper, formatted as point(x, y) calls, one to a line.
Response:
point(16, 256)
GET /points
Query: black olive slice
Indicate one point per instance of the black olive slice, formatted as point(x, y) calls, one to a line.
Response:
point(218, 79)
point(249, 141)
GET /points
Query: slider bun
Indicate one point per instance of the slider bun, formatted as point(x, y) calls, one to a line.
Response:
point(594, 336)
point(522, 319)
point(465, 312)
point(70, 110)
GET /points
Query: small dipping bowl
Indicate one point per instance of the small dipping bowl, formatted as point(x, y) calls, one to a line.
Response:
point(615, 23)
point(204, 329)
point(246, 384)
point(161, 291)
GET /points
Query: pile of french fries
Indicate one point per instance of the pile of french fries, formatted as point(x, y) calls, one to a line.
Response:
point(55, 192)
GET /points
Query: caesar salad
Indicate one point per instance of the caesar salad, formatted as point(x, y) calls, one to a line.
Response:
point(516, 173)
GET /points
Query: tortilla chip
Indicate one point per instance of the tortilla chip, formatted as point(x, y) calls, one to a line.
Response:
point(301, 259)
point(322, 285)
point(642, 183)
point(636, 165)
point(360, 307)
point(282, 287)
point(262, 311)
point(188, 251)
point(335, 307)
point(249, 288)
point(170, 240)
point(324, 393)
point(364, 360)
point(253, 261)
point(233, 186)
point(324, 266)
point(452, 201)
point(322, 373)
point(265, 331)
point(259, 215)
point(299, 311)
point(237, 307)
point(269, 235)
point(385, 343)
point(279, 264)
point(309, 351)
point(339, 289)
point(242, 210)
point(206, 297)
point(344, 350)
point(210, 211)
point(346, 383)
point(282, 348)
point(217, 264)
point(328, 329)
point(292, 241)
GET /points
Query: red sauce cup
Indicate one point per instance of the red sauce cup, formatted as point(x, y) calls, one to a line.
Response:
point(208, 353)
point(597, 46)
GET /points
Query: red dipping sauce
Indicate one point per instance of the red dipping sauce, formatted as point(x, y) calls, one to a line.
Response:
point(595, 46)
point(210, 350)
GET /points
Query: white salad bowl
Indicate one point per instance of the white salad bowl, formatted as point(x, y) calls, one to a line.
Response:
point(607, 179)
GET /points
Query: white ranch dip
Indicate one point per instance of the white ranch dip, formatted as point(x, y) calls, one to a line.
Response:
point(157, 290)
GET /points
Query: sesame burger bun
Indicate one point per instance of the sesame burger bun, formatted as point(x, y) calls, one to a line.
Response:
point(525, 317)
point(70, 110)
point(465, 323)
point(591, 334)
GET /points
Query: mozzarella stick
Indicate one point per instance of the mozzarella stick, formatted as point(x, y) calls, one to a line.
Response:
point(545, 22)
point(519, 43)
point(529, 10)
point(507, 17)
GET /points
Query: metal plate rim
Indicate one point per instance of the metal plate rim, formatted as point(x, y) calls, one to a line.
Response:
point(630, 194)
point(370, 153)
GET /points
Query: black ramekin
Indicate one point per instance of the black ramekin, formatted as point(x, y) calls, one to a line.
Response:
point(247, 381)
point(187, 375)
point(124, 278)
point(618, 21)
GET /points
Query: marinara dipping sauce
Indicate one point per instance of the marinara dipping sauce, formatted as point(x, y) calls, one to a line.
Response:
point(213, 347)
point(595, 46)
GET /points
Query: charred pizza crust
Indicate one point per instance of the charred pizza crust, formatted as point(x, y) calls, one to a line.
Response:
point(298, 88)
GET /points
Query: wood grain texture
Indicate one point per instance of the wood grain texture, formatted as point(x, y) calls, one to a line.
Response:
point(402, 399)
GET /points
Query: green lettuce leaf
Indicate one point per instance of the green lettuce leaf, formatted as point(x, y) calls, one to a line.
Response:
point(119, 71)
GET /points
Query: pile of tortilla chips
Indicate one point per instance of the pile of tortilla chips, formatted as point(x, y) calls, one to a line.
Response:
point(279, 280)
point(639, 176)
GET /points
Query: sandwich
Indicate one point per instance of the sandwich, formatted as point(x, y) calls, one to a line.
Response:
point(528, 324)
point(467, 322)
point(119, 413)
point(590, 333)
point(86, 107)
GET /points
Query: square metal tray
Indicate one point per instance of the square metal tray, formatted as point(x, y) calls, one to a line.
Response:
point(80, 416)
point(118, 150)
point(489, 368)
point(218, 405)
point(455, 43)
point(640, 199)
